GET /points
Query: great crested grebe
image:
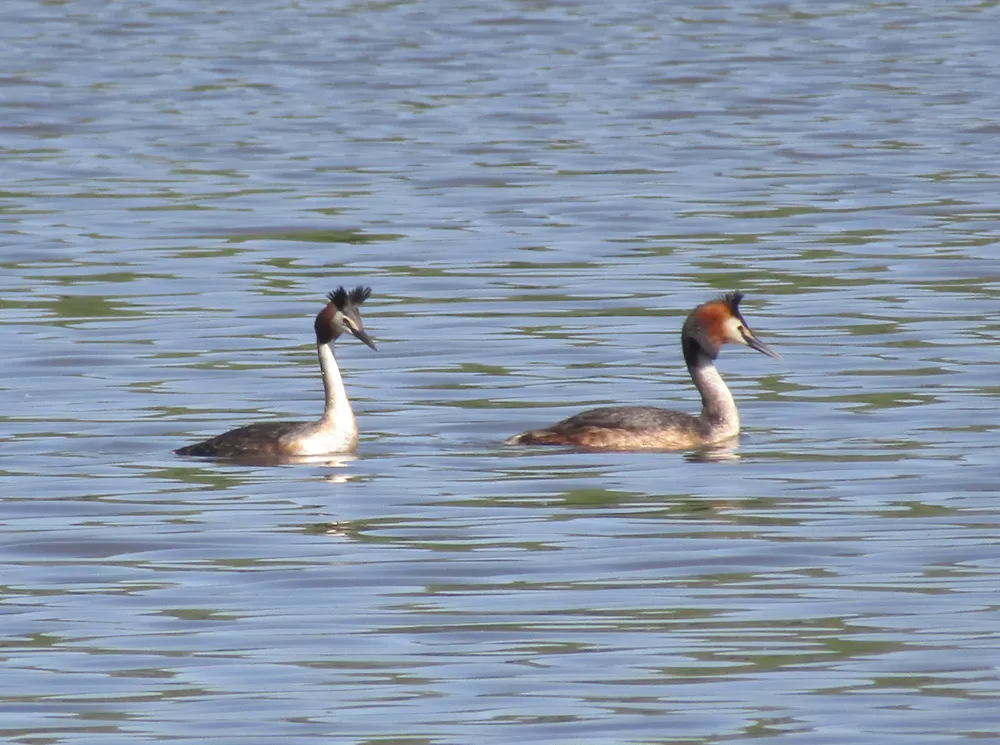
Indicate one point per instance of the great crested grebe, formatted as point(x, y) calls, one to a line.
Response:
point(336, 431)
point(706, 330)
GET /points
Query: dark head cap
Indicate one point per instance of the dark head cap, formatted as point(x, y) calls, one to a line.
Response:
point(342, 298)
point(732, 301)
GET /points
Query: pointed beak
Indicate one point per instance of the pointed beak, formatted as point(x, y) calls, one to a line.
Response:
point(360, 334)
point(754, 343)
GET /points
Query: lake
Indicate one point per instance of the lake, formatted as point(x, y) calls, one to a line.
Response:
point(537, 193)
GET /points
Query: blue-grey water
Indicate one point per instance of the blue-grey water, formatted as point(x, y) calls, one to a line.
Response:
point(537, 192)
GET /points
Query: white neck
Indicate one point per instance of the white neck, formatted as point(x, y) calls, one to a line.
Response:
point(718, 409)
point(337, 413)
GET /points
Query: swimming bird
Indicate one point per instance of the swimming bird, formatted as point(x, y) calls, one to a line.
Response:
point(336, 431)
point(707, 328)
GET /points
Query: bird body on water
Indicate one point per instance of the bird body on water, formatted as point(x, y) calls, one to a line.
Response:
point(705, 331)
point(336, 431)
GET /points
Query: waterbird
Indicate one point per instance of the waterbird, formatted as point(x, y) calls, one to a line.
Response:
point(706, 329)
point(336, 431)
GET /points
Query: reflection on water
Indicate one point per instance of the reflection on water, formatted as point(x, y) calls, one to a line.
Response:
point(538, 195)
point(329, 460)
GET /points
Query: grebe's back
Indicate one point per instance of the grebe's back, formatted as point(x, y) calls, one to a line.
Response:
point(618, 428)
point(706, 330)
point(268, 439)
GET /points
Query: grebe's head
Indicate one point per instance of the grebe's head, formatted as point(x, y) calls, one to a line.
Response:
point(341, 316)
point(719, 322)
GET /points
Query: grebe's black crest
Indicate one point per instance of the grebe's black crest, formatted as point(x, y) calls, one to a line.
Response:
point(341, 297)
point(732, 301)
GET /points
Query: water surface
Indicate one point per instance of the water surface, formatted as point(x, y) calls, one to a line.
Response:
point(537, 193)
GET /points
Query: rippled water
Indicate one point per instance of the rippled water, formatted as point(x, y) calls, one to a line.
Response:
point(537, 193)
